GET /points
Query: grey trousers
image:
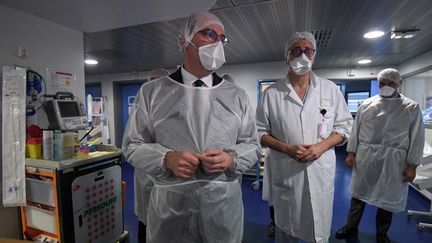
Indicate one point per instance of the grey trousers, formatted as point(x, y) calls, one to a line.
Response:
point(382, 221)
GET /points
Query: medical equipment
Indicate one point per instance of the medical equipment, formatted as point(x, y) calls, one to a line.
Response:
point(48, 144)
point(65, 113)
point(75, 200)
point(423, 182)
point(13, 136)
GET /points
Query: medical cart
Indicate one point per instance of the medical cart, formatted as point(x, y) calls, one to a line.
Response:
point(423, 181)
point(75, 200)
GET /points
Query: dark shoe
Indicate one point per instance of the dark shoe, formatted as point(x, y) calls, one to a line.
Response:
point(382, 238)
point(271, 229)
point(346, 232)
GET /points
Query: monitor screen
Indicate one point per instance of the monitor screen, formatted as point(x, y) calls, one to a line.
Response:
point(374, 87)
point(68, 108)
point(355, 99)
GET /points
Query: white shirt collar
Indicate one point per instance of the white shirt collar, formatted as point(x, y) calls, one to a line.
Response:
point(189, 78)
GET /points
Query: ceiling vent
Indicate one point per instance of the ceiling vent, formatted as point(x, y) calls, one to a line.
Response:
point(403, 34)
point(322, 37)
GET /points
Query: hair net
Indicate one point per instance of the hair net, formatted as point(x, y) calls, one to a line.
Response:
point(195, 23)
point(390, 74)
point(157, 73)
point(298, 36)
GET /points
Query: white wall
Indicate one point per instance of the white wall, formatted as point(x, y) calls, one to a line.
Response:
point(417, 65)
point(418, 86)
point(51, 46)
point(245, 75)
point(417, 82)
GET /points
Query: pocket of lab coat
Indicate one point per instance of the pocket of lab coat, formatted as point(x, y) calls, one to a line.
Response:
point(327, 122)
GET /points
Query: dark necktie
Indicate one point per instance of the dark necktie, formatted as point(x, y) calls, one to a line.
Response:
point(198, 83)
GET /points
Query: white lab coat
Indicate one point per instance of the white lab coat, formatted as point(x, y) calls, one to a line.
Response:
point(266, 185)
point(302, 193)
point(388, 134)
point(171, 116)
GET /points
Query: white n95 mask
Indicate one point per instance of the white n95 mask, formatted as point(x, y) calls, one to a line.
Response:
point(301, 65)
point(386, 91)
point(212, 56)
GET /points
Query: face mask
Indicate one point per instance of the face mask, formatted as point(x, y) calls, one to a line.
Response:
point(212, 56)
point(301, 65)
point(386, 91)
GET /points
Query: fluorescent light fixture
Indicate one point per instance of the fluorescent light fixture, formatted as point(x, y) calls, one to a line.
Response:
point(364, 61)
point(403, 34)
point(91, 61)
point(373, 34)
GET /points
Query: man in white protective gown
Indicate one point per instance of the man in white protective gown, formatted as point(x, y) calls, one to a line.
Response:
point(142, 184)
point(301, 118)
point(384, 150)
point(193, 134)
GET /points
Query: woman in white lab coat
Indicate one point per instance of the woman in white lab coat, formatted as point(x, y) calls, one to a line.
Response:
point(301, 118)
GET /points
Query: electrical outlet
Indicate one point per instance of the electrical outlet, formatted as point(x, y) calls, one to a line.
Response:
point(22, 52)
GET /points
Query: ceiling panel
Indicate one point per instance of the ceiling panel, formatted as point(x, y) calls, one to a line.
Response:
point(98, 15)
point(258, 30)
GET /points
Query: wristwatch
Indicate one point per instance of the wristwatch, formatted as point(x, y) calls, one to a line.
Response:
point(233, 153)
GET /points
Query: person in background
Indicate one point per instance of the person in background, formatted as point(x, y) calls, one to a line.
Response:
point(142, 184)
point(301, 118)
point(384, 150)
point(228, 78)
point(193, 134)
point(157, 73)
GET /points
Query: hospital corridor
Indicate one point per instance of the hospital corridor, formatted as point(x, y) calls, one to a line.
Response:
point(257, 215)
point(216, 121)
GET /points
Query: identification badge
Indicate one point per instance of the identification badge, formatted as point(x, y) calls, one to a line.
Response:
point(322, 130)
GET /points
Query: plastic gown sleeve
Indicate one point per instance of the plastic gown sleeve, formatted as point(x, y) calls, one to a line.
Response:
point(353, 140)
point(343, 119)
point(416, 138)
point(139, 145)
point(247, 148)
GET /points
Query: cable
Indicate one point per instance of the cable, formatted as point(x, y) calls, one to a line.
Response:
point(91, 129)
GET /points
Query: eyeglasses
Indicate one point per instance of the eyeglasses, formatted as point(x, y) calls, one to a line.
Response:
point(296, 52)
point(212, 36)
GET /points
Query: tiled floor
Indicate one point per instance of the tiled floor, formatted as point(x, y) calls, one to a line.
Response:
point(257, 214)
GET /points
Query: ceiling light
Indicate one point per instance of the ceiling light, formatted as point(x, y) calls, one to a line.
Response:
point(364, 61)
point(91, 61)
point(403, 34)
point(373, 34)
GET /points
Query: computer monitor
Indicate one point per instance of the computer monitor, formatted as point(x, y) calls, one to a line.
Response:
point(374, 87)
point(355, 99)
point(65, 115)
